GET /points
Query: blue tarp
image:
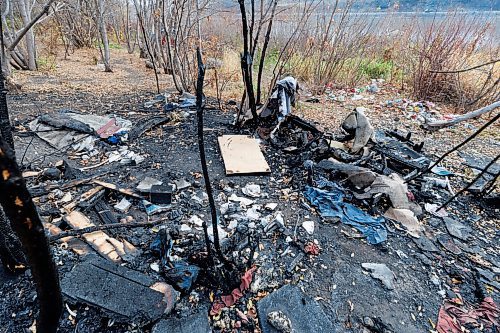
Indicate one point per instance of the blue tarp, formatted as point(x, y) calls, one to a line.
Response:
point(328, 199)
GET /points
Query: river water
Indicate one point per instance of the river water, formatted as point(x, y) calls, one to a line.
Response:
point(388, 23)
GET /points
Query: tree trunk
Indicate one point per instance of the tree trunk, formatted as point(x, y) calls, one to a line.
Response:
point(14, 39)
point(21, 211)
point(4, 61)
point(169, 50)
point(128, 34)
point(5, 128)
point(11, 253)
point(263, 53)
point(30, 25)
point(246, 63)
point(25, 11)
point(104, 36)
point(473, 114)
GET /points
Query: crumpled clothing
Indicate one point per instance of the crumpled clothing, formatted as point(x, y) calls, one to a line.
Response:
point(69, 128)
point(329, 203)
point(393, 186)
point(283, 98)
point(452, 316)
point(182, 275)
point(357, 123)
point(285, 93)
point(185, 104)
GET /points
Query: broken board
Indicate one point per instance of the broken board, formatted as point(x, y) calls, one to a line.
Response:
point(78, 246)
point(126, 294)
point(114, 187)
point(242, 155)
point(107, 246)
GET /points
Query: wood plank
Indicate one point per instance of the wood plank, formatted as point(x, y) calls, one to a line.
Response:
point(242, 155)
point(113, 187)
point(76, 245)
point(104, 212)
point(99, 240)
point(85, 199)
point(28, 174)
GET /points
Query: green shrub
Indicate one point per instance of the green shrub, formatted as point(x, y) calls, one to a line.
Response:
point(376, 69)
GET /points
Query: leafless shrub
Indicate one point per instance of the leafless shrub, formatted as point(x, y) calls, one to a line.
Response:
point(452, 43)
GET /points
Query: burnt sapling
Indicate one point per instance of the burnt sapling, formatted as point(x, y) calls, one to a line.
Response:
point(227, 272)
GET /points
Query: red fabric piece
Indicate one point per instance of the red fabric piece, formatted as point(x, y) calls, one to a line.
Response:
point(490, 310)
point(446, 323)
point(452, 316)
point(246, 279)
point(311, 248)
point(236, 294)
point(228, 300)
point(217, 307)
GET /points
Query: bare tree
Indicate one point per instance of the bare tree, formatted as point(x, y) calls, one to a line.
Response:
point(103, 35)
point(251, 32)
point(11, 38)
point(128, 33)
point(246, 58)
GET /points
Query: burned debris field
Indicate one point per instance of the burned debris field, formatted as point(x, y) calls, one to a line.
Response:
point(343, 233)
point(159, 176)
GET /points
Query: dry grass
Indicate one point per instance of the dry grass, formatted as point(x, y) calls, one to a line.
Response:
point(228, 83)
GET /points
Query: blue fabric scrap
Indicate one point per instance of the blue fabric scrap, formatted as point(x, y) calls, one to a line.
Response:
point(329, 202)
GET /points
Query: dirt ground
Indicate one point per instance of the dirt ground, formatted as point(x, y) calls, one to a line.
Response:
point(350, 297)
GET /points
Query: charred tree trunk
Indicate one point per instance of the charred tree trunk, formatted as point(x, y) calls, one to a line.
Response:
point(201, 146)
point(11, 253)
point(263, 53)
point(246, 63)
point(228, 267)
point(25, 221)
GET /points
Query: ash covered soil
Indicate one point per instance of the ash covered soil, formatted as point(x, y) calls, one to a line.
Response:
point(351, 298)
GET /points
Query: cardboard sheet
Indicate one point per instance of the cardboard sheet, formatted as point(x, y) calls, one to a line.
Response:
point(242, 155)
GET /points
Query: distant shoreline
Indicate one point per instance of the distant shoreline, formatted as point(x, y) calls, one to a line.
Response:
point(440, 13)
